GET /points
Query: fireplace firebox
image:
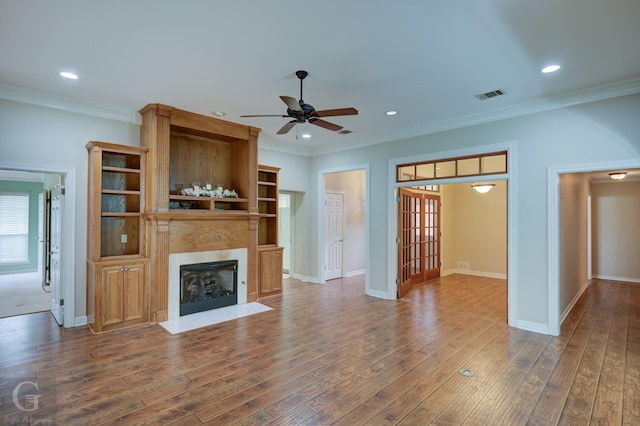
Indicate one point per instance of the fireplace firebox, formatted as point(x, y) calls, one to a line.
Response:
point(205, 286)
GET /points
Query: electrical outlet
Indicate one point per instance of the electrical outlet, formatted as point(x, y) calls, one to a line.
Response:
point(123, 238)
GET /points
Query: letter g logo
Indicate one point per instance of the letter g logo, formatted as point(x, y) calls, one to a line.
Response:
point(31, 400)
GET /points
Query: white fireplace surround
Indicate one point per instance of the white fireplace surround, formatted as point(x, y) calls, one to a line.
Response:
point(178, 259)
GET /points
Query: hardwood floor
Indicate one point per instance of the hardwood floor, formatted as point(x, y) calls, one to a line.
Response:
point(332, 355)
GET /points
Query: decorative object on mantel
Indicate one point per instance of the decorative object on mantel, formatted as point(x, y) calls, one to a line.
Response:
point(219, 192)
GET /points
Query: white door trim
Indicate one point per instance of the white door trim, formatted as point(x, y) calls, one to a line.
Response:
point(68, 249)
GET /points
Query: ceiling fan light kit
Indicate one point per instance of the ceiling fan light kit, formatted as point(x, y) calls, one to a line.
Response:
point(301, 112)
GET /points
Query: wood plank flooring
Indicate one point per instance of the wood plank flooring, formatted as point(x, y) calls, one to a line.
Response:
point(329, 354)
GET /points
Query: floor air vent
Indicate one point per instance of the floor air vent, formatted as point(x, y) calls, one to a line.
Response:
point(488, 95)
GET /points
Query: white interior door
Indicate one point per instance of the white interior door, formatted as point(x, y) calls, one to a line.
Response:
point(57, 207)
point(334, 239)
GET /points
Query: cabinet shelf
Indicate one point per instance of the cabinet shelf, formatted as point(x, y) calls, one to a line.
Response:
point(120, 169)
point(121, 192)
point(191, 202)
point(119, 214)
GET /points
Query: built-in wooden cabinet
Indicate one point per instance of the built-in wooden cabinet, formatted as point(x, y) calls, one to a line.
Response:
point(187, 149)
point(270, 270)
point(117, 289)
point(270, 255)
point(268, 205)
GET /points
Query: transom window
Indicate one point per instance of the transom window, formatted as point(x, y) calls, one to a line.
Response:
point(477, 165)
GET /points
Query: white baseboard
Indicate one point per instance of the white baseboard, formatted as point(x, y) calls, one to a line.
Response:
point(306, 279)
point(379, 294)
point(568, 309)
point(80, 321)
point(472, 272)
point(355, 273)
point(536, 327)
point(612, 278)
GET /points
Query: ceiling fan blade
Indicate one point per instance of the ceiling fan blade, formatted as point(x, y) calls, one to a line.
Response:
point(325, 124)
point(292, 104)
point(262, 115)
point(335, 112)
point(285, 129)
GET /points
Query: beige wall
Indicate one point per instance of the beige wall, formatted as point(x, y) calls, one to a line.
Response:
point(616, 230)
point(475, 230)
point(572, 236)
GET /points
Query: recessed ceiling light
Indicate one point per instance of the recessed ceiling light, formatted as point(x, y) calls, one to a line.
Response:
point(550, 68)
point(219, 113)
point(69, 75)
point(391, 112)
point(306, 135)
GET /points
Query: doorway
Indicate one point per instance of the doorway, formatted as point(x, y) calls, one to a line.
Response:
point(67, 223)
point(352, 186)
point(419, 238)
point(285, 230)
point(508, 176)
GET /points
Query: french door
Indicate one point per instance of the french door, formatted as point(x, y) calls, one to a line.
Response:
point(418, 238)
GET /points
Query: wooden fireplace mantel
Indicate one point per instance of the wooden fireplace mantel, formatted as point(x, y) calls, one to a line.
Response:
point(185, 147)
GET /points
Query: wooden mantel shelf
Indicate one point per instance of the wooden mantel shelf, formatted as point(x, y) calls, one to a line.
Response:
point(189, 214)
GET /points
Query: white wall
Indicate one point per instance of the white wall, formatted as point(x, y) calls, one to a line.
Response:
point(589, 133)
point(38, 136)
point(602, 131)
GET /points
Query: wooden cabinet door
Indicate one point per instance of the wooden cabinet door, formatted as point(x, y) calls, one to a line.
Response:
point(275, 270)
point(264, 274)
point(134, 306)
point(111, 296)
point(270, 267)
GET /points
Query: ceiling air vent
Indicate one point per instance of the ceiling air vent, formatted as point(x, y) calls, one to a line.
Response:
point(345, 132)
point(488, 95)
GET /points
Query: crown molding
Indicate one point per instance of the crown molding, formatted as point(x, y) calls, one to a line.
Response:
point(608, 91)
point(113, 112)
point(49, 100)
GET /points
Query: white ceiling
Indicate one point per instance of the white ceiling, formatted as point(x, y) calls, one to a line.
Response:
point(424, 58)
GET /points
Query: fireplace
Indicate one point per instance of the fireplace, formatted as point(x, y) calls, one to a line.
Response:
point(210, 285)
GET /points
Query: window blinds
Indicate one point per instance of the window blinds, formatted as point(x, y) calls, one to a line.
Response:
point(14, 228)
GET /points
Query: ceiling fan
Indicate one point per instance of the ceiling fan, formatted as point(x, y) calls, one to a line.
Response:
point(302, 112)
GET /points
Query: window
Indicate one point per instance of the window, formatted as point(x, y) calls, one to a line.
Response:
point(477, 165)
point(14, 228)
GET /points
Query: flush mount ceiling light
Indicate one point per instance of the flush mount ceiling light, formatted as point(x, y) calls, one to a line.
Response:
point(617, 175)
point(306, 135)
point(69, 75)
point(550, 68)
point(219, 113)
point(483, 187)
point(391, 112)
